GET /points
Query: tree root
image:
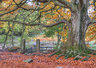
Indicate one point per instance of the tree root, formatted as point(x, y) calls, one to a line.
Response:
point(78, 57)
point(59, 56)
point(54, 53)
point(72, 53)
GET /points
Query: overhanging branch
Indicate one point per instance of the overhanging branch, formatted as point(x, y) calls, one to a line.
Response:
point(36, 8)
point(58, 4)
point(67, 4)
point(20, 4)
point(36, 24)
point(91, 22)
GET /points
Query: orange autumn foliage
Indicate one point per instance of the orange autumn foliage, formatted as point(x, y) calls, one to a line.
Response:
point(57, 13)
point(91, 33)
point(16, 60)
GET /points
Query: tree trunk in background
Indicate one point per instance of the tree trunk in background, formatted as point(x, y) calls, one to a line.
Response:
point(58, 40)
point(21, 43)
point(12, 34)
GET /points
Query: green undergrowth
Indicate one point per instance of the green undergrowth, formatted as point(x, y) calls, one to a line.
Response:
point(76, 53)
point(59, 52)
point(2, 38)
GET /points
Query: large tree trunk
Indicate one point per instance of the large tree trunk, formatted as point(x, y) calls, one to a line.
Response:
point(77, 30)
point(73, 33)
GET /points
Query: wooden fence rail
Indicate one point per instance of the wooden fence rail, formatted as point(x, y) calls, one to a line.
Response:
point(37, 48)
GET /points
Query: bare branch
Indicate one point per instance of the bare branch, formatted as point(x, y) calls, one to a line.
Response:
point(36, 8)
point(91, 22)
point(37, 24)
point(9, 11)
point(59, 4)
point(6, 7)
point(43, 1)
point(67, 4)
point(20, 4)
point(48, 9)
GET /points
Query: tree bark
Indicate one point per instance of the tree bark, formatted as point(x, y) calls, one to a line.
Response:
point(58, 40)
point(73, 33)
point(77, 30)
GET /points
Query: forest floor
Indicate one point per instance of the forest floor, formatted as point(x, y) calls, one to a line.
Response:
point(16, 60)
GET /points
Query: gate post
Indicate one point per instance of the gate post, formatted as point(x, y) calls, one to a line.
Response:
point(24, 42)
point(38, 45)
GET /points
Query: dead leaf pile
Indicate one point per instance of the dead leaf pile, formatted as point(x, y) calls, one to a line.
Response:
point(16, 60)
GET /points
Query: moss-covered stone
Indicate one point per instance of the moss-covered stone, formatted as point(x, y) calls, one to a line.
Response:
point(28, 60)
point(77, 57)
point(22, 51)
point(94, 53)
point(85, 59)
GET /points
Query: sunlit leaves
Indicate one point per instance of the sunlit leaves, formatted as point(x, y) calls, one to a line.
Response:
point(1, 24)
point(91, 33)
point(64, 33)
point(68, 0)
